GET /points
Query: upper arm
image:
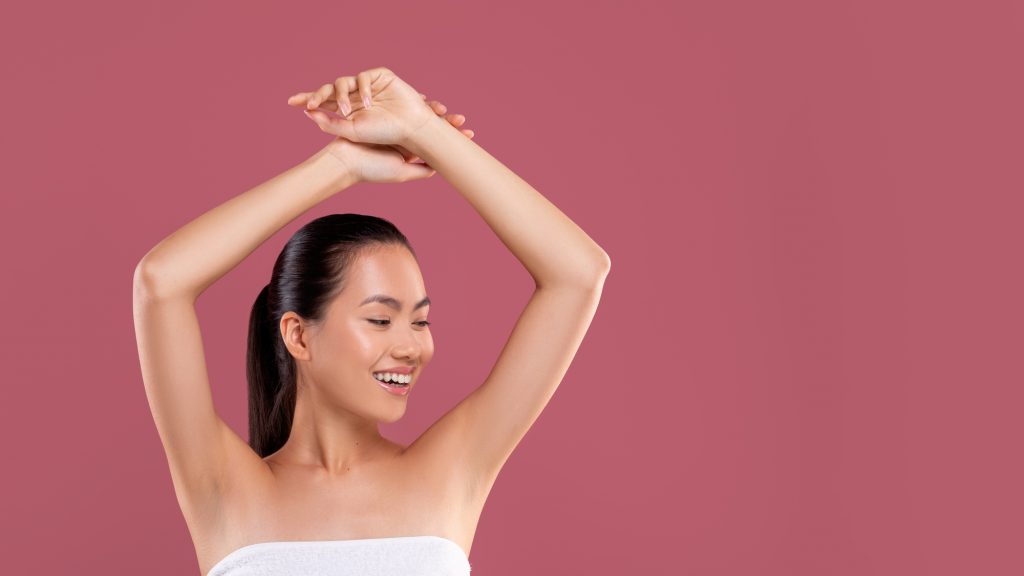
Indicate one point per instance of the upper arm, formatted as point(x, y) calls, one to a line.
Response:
point(199, 445)
point(487, 425)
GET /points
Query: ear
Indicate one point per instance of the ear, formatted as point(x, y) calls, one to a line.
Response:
point(296, 335)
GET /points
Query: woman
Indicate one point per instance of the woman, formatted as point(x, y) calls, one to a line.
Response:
point(338, 340)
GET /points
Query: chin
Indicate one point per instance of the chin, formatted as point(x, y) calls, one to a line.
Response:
point(392, 413)
point(393, 417)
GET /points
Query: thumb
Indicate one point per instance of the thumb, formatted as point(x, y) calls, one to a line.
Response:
point(336, 126)
point(415, 171)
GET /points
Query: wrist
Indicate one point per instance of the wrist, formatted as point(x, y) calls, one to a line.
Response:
point(333, 166)
point(420, 141)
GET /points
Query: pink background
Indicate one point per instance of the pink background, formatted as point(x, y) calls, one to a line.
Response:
point(807, 359)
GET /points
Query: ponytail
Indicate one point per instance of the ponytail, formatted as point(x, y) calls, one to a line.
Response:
point(271, 402)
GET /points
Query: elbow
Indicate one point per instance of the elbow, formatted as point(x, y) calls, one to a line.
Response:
point(142, 275)
point(605, 264)
point(601, 266)
point(142, 282)
point(598, 269)
point(149, 282)
point(586, 277)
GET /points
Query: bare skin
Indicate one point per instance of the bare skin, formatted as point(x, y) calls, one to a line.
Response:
point(337, 478)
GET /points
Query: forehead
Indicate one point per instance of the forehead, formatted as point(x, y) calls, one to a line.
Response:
point(389, 270)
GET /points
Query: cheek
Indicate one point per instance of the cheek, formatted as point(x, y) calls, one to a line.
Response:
point(354, 336)
point(348, 348)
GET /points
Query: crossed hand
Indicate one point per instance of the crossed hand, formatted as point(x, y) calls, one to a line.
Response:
point(378, 114)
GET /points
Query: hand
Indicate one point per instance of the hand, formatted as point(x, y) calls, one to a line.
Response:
point(376, 162)
point(327, 98)
point(391, 111)
point(380, 162)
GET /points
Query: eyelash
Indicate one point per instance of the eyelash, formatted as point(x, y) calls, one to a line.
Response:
point(382, 322)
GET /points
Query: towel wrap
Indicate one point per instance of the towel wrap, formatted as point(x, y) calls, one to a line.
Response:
point(395, 556)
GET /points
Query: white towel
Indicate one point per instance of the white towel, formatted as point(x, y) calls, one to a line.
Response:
point(397, 556)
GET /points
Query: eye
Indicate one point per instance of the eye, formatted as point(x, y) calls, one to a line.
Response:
point(423, 323)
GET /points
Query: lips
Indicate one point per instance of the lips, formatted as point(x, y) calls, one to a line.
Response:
point(396, 390)
point(396, 370)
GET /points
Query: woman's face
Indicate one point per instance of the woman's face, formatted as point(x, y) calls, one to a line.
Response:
point(376, 323)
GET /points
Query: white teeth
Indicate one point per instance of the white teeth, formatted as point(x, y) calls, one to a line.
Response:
point(392, 377)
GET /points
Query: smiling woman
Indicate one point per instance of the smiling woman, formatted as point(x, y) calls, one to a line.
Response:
point(338, 340)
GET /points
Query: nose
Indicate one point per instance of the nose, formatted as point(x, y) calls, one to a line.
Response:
point(410, 345)
point(409, 350)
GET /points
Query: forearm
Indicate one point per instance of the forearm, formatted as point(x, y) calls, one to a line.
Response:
point(195, 256)
point(550, 246)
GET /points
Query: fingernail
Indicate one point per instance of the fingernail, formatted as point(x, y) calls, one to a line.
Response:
point(345, 108)
point(366, 101)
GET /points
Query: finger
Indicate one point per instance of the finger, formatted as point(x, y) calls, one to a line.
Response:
point(298, 99)
point(406, 155)
point(363, 84)
point(333, 125)
point(456, 119)
point(302, 99)
point(415, 171)
point(468, 133)
point(319, 96)
point(343, 86)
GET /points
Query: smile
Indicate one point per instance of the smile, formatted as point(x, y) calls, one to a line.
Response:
point(395, 388)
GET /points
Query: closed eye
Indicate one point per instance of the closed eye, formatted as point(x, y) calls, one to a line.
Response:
point(423, 323)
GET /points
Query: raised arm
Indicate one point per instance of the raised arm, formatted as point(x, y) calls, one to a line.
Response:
point(568, 268)
point(188, 261)
point(554, 250)
point(201, 448)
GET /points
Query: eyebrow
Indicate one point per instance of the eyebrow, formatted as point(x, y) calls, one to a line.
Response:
point(394, 303)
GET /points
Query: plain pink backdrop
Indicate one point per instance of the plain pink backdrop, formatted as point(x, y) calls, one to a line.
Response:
point(807, 356)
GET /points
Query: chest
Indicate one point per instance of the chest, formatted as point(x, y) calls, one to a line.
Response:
point(378, 503)
point(375, 506)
